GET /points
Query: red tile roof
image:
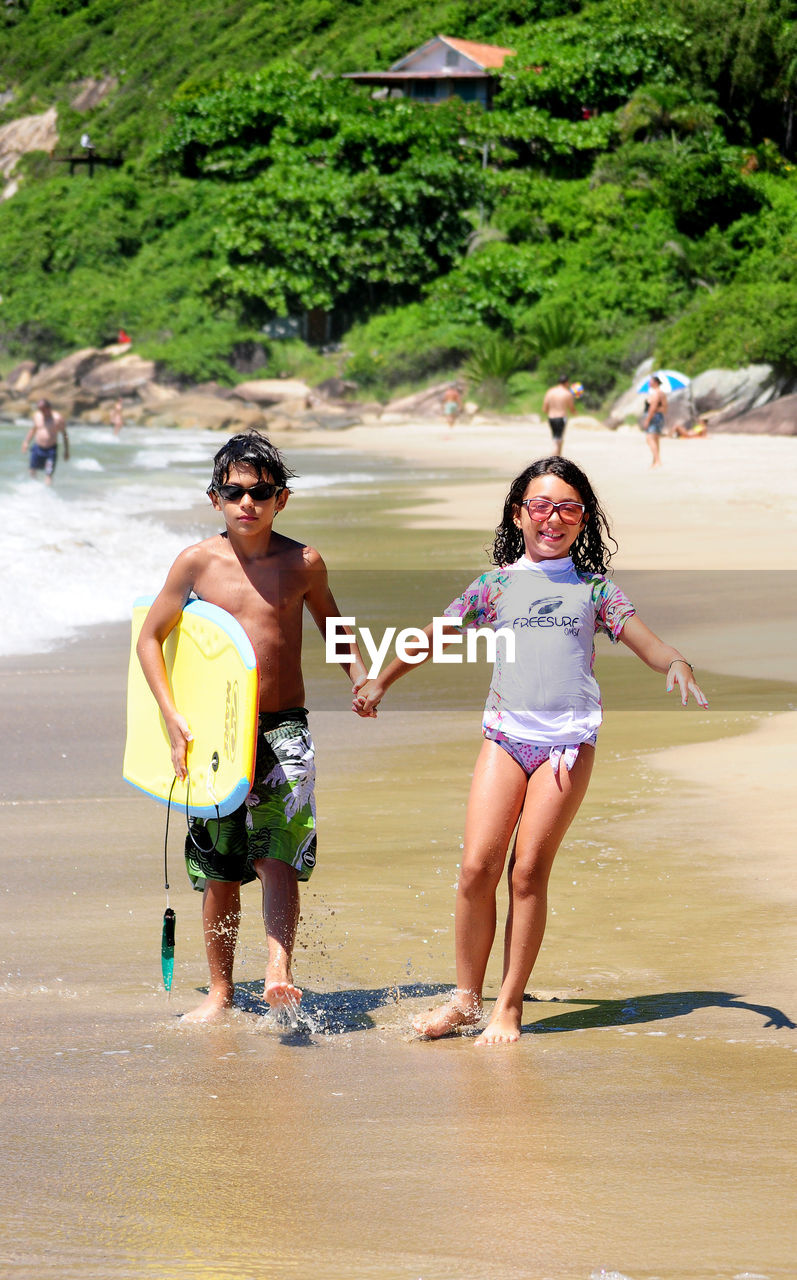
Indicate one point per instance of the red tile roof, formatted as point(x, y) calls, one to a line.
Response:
point(487, 55)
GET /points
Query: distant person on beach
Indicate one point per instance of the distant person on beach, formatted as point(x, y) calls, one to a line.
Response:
point(558, 403)
point(265, 580)
point(117, 418)
point(452, 405)
point(550, 591)
point(48, 424)
point(653, 422)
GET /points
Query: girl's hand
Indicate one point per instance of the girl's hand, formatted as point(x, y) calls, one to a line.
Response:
point(680, 673)
point(179, 736)
point(367, 696)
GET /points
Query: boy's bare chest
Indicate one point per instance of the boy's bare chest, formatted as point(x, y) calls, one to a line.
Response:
point(265, 595)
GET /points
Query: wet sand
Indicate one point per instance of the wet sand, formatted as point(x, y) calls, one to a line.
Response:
point(640, 1128)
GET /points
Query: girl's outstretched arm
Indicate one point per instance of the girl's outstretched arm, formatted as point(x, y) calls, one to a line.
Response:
point(662, 657)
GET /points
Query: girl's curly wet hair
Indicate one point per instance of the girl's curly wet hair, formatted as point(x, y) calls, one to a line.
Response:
point(250, 449)
point(590, 551)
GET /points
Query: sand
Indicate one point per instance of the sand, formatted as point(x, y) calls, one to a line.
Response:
point(640, 1128)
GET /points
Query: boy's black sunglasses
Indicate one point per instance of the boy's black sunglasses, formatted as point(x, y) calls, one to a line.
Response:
point(259, 492)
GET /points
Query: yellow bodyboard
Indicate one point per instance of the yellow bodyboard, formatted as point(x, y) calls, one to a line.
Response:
point(215, 682)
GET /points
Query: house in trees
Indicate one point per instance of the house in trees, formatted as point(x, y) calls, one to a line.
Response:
point(442, 68)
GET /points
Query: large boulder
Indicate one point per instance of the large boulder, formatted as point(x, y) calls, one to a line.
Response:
point(59, 381)
point(337, 390)
point(629, 405)
point(152, 394)
point(29, 133)
point(734, 391)
point(209, 412)
point(21, 376)
point(273, 390)
point(776, 418)
point(120, 377)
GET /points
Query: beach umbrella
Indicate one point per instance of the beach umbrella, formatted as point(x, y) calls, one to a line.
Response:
point(669, 379)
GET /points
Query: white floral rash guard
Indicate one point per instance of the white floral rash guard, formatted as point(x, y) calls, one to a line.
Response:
point(549, 694)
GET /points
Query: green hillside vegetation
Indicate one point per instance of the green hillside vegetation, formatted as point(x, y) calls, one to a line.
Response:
point(639, 196)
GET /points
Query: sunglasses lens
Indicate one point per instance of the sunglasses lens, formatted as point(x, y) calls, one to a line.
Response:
point(570, 512)
point(257, 492)
point(540, 510)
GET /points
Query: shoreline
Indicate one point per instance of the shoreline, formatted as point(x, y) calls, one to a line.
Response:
point(658, 1018)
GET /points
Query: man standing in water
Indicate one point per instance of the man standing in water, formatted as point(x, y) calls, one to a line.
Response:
point(47, 424)
point(558, 404)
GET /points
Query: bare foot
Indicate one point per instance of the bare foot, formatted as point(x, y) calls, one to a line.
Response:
point(282, 994)
point(213, 1007)
point(503, 1028)
point(462, 1010)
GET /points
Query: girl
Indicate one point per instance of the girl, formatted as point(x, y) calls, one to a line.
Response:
point(540, 723)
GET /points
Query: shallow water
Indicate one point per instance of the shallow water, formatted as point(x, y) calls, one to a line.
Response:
point(640, 1129)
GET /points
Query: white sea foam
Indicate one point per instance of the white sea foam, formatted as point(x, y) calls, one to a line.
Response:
point(66, 565)
point(80, 552)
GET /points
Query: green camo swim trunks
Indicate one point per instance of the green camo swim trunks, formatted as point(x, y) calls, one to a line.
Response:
point(278, 818)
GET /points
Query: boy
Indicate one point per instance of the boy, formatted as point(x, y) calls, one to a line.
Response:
point(264, 580)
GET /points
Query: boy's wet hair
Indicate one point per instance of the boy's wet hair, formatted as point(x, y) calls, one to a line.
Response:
point(590, 551)
point(250, 449)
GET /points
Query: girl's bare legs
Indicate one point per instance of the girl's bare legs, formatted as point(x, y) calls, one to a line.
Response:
point(552, 801)
point(496, 799)
point(221, 915)
point(281, 918)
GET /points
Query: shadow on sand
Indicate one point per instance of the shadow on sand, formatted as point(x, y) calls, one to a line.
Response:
point(636, 1010)
point(342, 1012)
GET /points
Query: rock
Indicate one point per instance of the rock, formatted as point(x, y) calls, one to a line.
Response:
point(629, 405)
point(117, 349)
point(422, 403)
point(336, 389)
point(29, 133)
point(90, 93)
point(65, 373)
point(733, 391)
point(248, 357)
point(21, 375)
point(776, 418)
point(273, 390)
point(119, 377)
point(152, 394)
point(209, 412)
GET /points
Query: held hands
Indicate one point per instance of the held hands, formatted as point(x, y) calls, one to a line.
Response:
point(367, 694)
point(179, 736)
point(680, 674)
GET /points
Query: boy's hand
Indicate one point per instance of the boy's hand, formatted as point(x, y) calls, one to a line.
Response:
point(179, 736)
point(367, 696)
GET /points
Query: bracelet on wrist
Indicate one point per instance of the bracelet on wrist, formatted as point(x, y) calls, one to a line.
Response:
point(683, 660)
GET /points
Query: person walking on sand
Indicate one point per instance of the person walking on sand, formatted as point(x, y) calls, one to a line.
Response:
point(653, 422)
point(550, 591)
point(265, 581)
point(452, 404)
point(558, 403)
point(48, 424)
